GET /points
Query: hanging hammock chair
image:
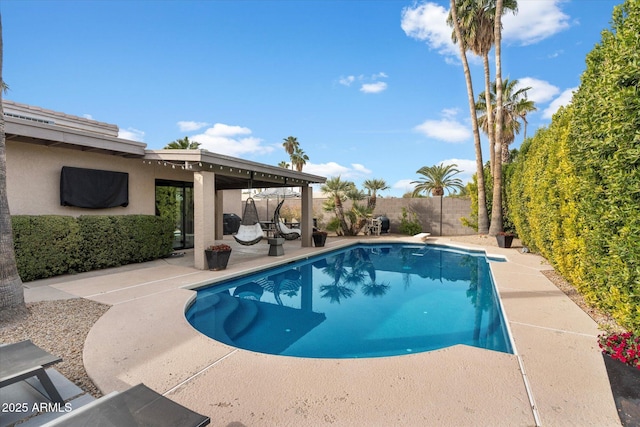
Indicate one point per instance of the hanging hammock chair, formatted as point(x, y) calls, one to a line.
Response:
point(283, 230)
point(250, 231)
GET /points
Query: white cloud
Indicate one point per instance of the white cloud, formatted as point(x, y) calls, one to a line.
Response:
point(190, 126)
point(333, 169)
point(428, 22)
point(373, 87)
point(346, 81)
point(541, 91)
point(564, 99)
point(535, 21)
point(88, 116)
point(131, 134)
point(446, 129)
point(231, 140)
point(404, 185)
point(466, 167)
point(371, 84)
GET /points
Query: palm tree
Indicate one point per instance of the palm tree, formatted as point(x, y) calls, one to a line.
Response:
point(283, 164)
point(374, 185)
point(436, 179)
point(298, 159)
point(477, 24)
point(497, 224)
point(11, 291)
point(290, 145)
point(483, 216)
point(183, 144)
point(516, 106)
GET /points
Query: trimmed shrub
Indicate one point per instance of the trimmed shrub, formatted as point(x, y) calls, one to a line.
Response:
point(575, 193)
point(46, 246)
point(52, 245)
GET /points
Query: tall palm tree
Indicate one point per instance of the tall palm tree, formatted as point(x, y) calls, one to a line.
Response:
point(436, 179)
point(374, 185)
point(515, 106)
point(283, 164)
point(477, 24)
point(483, 216)
point(298, 159)
point(11, 291)
point(290, 145)
point(183, 144)
point(497, 224)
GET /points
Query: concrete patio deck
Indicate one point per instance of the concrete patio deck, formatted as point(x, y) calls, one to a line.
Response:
point(556, 378)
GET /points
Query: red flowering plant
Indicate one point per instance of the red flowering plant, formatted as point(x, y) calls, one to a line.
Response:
point(221, 247)
point(624, 347)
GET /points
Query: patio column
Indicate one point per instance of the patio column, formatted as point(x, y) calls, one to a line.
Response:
point(204, 187)
point(306, 224)
point(219, 215)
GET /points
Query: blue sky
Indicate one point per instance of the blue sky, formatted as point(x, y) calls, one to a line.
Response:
point(370, 88)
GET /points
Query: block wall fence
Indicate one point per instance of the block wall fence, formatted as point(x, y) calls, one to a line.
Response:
point(427, 210)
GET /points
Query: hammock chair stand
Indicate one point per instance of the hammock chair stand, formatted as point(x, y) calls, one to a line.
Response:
point(282, 229)
point(250, 231)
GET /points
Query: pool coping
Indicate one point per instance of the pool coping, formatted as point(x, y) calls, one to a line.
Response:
point(556, 376)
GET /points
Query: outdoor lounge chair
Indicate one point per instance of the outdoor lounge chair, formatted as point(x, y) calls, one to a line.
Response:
point(250, 231)
point(282, 229)
point(23, 360)
point(137, 406)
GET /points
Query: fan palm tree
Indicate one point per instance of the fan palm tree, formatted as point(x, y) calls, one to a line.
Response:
point(298, 159)
point(436, 179)
point(374, 185)
point(290, 145)
point(515, 107)
point(11, 291)
point(183, 144)
point(283, 164)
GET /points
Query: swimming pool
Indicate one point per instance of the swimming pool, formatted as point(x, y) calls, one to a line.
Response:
point(366, 300)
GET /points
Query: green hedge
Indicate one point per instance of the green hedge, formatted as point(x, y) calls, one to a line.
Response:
point(51, 245)
point(575, 192)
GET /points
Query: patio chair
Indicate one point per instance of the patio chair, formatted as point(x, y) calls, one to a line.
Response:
point(283, 230)
point(23, 360)
point(250, 231)
point(137, 406)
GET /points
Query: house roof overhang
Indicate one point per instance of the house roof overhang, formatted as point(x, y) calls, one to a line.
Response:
point(231, 172)
point(34, 125)
point(51, 135)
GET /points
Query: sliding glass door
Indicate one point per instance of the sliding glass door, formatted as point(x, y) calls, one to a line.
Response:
point(174, 199)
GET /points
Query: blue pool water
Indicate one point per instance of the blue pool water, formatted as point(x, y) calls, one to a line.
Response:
point(361, 301)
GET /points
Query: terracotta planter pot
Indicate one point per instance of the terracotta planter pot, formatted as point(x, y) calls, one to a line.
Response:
point(217, 260)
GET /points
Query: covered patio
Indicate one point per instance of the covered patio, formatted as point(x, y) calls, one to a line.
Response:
point(213, 173)
point(41, 142)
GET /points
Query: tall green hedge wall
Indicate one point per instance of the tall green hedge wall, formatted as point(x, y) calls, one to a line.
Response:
point(51, 245)
point(575, 192)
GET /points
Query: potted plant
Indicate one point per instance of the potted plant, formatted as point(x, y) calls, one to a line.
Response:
point(218, 256)
point(319, 238)
point(504, 239)
point(624, 347)
point(621, 354)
